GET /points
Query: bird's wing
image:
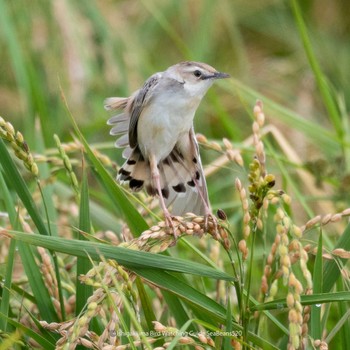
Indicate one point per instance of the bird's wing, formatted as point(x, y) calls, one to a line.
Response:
point(141, 99)
point(125, 124)
point(202, 184)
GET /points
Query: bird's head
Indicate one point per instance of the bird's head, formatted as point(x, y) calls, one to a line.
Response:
point(197, 77)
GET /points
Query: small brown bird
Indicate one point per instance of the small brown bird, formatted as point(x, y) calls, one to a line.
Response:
point(156, 127)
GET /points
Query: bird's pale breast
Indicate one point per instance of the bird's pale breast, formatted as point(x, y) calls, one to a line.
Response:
point(162, 123)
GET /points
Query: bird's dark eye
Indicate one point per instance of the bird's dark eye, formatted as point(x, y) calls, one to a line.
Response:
point(197, 73)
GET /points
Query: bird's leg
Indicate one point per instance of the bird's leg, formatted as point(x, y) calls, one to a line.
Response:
point(208, 214)
point(156, 182)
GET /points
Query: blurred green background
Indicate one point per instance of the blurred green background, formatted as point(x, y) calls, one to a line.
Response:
point(96, 49)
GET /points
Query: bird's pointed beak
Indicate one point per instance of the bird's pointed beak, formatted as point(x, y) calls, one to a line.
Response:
point(219, 75)
point(216, 75)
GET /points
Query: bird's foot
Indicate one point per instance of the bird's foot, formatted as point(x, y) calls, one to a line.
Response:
point(170, 223)
point(210, 223)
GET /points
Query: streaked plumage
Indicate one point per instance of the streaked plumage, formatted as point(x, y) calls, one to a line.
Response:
point(156, 127)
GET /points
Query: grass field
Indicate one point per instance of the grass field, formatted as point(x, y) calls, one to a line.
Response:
point(86, 264)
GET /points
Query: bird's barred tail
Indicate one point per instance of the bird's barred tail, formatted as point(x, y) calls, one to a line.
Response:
point(181, 180)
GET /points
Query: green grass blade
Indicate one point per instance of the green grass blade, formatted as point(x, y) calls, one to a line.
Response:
point(343, 321)
point(41, 340)
point(228, 324)
point(23, 293)
point(215, 312)
point(176, 308)
point(48, 209)
point(5, 296)
point(175, 340)
point(33, 273)
point(40, 292)
point(269, 315)
point(343, 326)
point(328, 100)
point(312, 299)
point(332, 268)
point(325, 139)
point(186, 244)
point(131, 216)
point(14, 178)
point(315, 329)
point(185, 292)
point(47, 191)
point(83, 263)
point(6, 287)
point(131, 259)
point(146, 304)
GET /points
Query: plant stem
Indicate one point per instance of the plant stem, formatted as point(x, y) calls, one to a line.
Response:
point(246, 311)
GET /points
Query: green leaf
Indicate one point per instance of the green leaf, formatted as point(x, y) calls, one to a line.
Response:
point(331, 270)
point(146, 304)
point(41, 340)
point(226, 340)
point(343, 321)
point(176, 309)
point(41, 294)
point(325, 139)
point(312, 299)
point(327, 97)
point(6, 288)
point(131, 259)
point(83, 263)
point(182, 330)
point(315, 329)
point(270, 316)
point(49, 210)
point(14, 178)
point(215, 312)
point(46, 191)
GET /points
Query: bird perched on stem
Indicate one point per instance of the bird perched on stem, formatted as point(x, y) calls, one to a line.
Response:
point(156, 127)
